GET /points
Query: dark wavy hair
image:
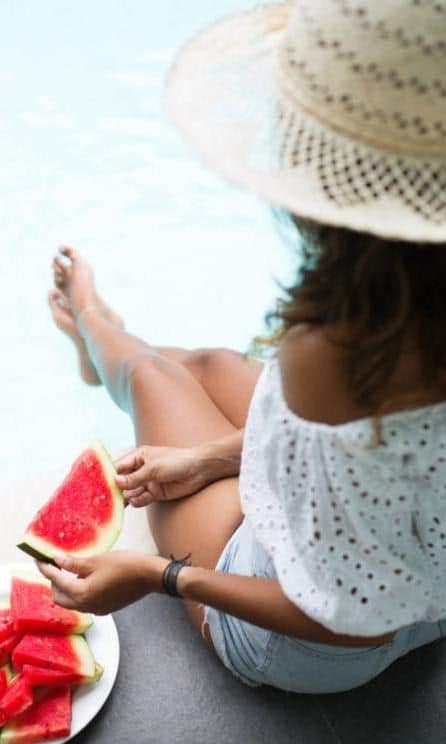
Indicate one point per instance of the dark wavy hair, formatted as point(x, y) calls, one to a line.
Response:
point(378, 290)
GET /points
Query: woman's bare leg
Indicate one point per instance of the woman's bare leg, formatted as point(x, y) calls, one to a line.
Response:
point(64, 319)
point(168, 407)
point(227, 376)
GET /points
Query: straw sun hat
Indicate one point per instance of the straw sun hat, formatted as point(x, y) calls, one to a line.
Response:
point(332, 109)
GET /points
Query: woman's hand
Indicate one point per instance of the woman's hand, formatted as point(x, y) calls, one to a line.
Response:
point(149, 474)
point(162, 473)
point(104, 583)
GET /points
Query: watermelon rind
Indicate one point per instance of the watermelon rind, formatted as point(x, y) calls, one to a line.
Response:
point(41, 677)
point(33, 552)
point(87, 664)
point(98, 672)
point(6, 668)
point(6, 677)
point(43, 550)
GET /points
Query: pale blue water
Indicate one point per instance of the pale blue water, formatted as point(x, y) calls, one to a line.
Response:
point(88, 158)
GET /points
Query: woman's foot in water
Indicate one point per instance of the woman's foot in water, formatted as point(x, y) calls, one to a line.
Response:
point(75, 291)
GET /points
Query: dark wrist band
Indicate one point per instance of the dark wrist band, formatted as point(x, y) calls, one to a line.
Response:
point(170, 575)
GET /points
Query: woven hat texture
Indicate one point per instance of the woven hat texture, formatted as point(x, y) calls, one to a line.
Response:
point(332, 109)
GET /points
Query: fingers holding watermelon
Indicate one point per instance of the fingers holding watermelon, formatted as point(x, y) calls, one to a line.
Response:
point(104, 583)
point(162, 473)
point(131, 463)
point(66, 587)
point(144, 495)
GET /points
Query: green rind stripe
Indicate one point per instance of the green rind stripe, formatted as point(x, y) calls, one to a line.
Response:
point(98, 672)
point(8, 671)
point(32, 551)
point(87, 664)
point(118, 498)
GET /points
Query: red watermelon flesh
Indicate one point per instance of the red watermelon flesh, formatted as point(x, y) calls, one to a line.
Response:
point(9, 643)
point(48, 718)
point(17, 697)
point(65, 653)
point(33, 610)
point(84, 515)
point(5, 678)
point(41, 677)
point(6, 625)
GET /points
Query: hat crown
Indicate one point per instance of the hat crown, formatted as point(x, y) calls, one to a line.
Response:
point(332, 109)
point(371, 70)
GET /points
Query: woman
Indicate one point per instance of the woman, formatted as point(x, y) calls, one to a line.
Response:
point(324, 561)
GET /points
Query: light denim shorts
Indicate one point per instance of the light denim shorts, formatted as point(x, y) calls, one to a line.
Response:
point(262, 657)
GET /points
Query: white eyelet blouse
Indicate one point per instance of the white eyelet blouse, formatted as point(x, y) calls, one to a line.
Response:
point(357, 534)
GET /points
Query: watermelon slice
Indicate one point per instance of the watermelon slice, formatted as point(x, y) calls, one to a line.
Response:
point(85, 514)
point(48, 718)
point(41, 677)
point(65, 653)
point(33, 609)
point(17, 697)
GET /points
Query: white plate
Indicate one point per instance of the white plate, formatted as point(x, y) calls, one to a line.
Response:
point(104, 642)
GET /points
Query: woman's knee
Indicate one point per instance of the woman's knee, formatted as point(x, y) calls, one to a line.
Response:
point(141, 371)
point(139, 368)
point(204, 363)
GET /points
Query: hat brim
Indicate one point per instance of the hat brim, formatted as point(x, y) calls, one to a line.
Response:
point(222, 92)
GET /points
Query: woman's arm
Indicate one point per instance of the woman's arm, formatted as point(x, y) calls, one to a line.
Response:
point(149, 474)
point(262, 602)
point(222, 456)
point(107, 583)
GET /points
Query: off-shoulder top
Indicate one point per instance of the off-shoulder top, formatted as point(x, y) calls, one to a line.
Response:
point(356, 531)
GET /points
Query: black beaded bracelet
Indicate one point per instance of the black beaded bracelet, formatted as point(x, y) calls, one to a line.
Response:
point(170, 574)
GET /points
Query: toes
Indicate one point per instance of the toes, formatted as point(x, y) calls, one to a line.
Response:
point(56, 297)
point(52, 301)
point(67, 251)
point(57, 301)
point(60, 272)
point(60, 264)
point(59, 280)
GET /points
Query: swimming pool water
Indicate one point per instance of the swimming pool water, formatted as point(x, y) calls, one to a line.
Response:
point(88, 158)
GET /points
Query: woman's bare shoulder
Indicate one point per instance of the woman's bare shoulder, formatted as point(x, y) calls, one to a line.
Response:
point(313, 378)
